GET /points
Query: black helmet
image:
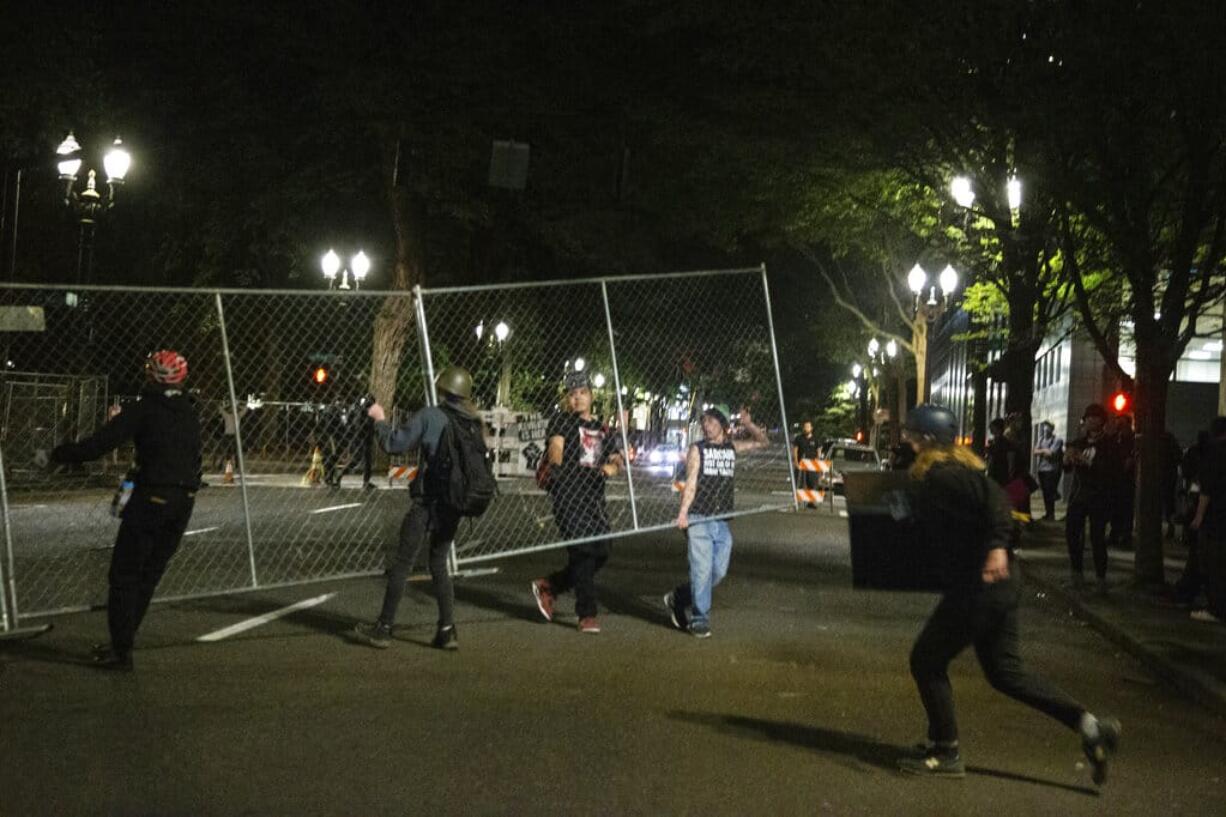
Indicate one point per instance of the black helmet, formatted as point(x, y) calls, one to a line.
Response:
point(933, 422)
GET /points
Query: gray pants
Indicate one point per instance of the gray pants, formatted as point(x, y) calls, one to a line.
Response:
point(425, 522)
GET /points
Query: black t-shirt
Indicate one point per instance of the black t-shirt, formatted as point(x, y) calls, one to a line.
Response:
point(586, 446)
point(1213, 485)
point(806, 446)
point(716, 479)
point(1000, 456)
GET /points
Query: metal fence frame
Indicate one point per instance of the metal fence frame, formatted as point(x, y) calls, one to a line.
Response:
point(10, 613)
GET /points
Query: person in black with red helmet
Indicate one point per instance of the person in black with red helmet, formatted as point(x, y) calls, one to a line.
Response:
point(164, 425)
point(965, 517)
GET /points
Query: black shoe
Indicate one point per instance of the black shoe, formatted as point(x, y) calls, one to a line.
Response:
point(676, 612)
point(446, 639)
point(106, 658)
point(377, 635)
point(1101, 748)
point(934, 763)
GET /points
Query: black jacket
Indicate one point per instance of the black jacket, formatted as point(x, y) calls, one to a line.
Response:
point(165, 427)
point(963, 515)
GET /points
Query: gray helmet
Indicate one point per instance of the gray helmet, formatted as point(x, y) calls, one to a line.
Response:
point(933, 422)
point(455, 381)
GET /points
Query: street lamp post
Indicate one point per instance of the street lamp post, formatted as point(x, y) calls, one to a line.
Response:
point(89, 205)
point(884, 362)
point(359, 265)
point(926, 311)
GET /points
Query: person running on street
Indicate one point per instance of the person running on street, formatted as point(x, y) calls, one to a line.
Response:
point(430, 518)
point(164, 425)
point(708, 495)
point(967, 516)
point(582, 455)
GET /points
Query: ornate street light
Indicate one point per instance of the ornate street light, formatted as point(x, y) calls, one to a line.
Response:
point(89, 205)
point(359, 265)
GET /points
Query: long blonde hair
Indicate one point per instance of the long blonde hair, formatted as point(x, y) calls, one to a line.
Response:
point(958, 454)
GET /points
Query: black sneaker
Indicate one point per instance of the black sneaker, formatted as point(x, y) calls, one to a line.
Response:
point(445, 639)
point(1101, 748)
point(105, 658)
point(377, 634)
point(934, 763)
point(676, 612)
point(699, 629)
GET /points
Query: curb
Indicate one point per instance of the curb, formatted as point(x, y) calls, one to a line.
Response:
point(1208, 693)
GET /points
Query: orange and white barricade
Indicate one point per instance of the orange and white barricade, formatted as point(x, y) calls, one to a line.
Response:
point(812, 466)
point(405, 473)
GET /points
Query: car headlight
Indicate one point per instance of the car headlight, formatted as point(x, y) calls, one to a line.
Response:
point(655, 457)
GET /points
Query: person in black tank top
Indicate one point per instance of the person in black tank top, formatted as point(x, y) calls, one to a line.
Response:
point(706, 503)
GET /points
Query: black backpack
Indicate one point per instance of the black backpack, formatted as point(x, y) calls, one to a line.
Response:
point(468, 484)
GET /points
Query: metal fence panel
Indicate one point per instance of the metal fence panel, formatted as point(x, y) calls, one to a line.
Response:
point(657, 349)
point(334, 520)
point(60, 522)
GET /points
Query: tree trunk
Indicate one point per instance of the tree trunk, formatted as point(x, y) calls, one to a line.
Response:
point(1152, 383)
point(919, 342)
point(395, 319)
point(1017, 371)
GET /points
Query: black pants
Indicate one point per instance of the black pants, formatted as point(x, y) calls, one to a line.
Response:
point(1049, 481)
point(1192, 580)
point(152, 526)
point(360, 451)
point(1212, 550)
point(986, 619)
point(1075, 532)
point(578, 516)
point(1122, 516)
point(425, 522)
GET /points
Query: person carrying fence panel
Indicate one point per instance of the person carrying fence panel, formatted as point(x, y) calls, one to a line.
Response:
point(155, 504)
point(454, 482)
point(582, 454)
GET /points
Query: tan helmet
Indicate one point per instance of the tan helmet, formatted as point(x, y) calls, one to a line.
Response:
point(455, 381)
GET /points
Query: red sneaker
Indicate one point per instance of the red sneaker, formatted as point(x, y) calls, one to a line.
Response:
point(543, 594)
point(589, 624)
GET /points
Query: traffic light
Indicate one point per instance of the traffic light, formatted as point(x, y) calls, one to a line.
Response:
point(1121, 402)
point(320, 375)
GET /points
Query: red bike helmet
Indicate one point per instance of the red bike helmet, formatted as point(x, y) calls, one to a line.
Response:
point(166, 366)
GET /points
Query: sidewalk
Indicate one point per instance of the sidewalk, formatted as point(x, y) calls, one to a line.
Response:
point(1188, 655)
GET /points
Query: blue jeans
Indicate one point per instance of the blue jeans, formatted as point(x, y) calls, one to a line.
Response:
point(710, 549)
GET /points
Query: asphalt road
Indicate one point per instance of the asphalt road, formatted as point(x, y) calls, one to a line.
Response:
point(799, 704)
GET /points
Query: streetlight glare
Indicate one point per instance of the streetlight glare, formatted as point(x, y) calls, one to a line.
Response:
point(117, 161)
point(916, 279)
point(480, 330)
point(874, 346)
point(949, 280)
point(580, 363)
point(598, 381)
point(962, 191)
point(360, 265)
point(856, 369)
point(68, 168)
point(891, 348)
point(69, 146)
point(502, 331)
point(1014, 188)
point(331, 264)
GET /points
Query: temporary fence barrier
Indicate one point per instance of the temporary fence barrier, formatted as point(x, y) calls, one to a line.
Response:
point(280, 380)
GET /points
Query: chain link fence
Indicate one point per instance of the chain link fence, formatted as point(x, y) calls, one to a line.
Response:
point(296, 489)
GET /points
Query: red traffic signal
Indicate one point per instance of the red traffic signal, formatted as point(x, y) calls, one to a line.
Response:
point(1121, 402)
point(320, 375)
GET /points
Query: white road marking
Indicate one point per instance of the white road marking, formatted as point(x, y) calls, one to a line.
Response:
point(201, 530)
point(26, 507)
point(337, 507)
point(252, 623)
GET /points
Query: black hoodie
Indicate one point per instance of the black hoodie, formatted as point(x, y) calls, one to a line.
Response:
point(964, 515)
point(165, 427)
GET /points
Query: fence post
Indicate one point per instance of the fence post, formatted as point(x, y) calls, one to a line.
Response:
point(8, 580)
point(426, 356)
point(621, 417)
point(238, 438)
point(783, 412)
